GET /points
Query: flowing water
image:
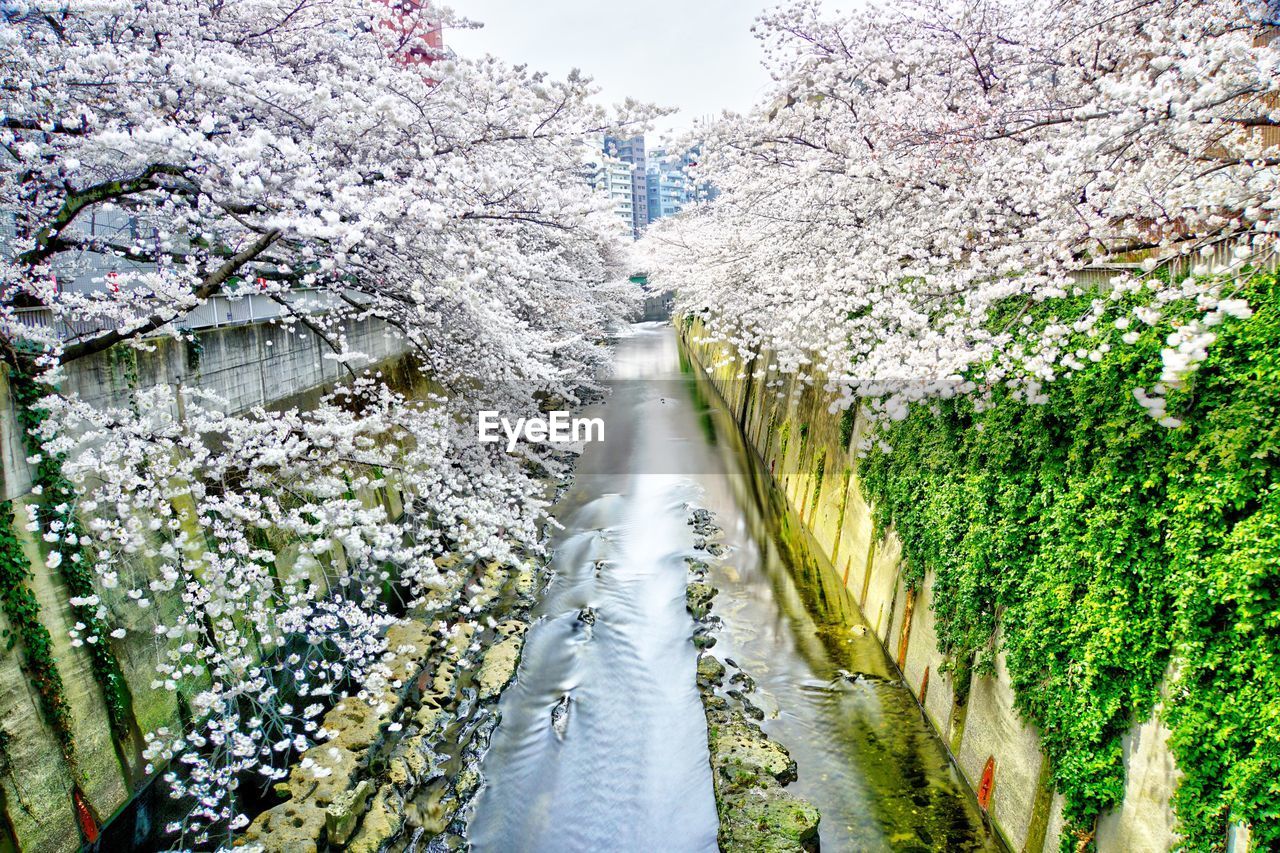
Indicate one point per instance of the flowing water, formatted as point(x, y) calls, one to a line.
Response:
point(602, 740)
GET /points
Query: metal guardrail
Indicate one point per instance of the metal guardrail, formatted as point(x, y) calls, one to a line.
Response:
point(216, 312)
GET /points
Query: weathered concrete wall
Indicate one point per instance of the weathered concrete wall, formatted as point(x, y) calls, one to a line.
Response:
point(657, 306)
point(800, 443)
point(250, 365)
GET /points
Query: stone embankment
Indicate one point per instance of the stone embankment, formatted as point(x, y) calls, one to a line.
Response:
point(401, 766)
point(749, 770)
point(48, 801)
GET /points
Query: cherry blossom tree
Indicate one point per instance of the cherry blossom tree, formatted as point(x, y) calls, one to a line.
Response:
point(272, 145)
point(923, 173)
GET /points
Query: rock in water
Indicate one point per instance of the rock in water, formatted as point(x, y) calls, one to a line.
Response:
point(701, 522)
point(698, 597)
point(560, 716)
point(586, 623)
point(710, 672)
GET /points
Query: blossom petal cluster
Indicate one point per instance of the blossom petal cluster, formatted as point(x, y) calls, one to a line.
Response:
point(924, 176)
point(158, 155)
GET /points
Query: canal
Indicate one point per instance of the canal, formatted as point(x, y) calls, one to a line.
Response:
point(602, 740)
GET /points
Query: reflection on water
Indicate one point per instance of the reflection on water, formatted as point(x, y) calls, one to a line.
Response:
point(868, 760)
point(631, 772)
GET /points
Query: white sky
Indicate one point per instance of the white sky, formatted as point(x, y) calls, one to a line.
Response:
point(698, 55)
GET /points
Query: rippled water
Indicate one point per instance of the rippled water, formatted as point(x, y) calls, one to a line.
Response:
point(630, 769)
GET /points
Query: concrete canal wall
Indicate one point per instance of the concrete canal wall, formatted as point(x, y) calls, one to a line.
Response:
point(48, 804)
point(811, 461)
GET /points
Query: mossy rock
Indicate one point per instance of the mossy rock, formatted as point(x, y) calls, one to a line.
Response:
point(767, 819)
point(703, 641)
point(499, 666)
point(710, 672)
point(383, 822)
point(698, 597)
point(697, 567)
point(738, 745)
point(344, 813)
point(292, 827)
point(526, 585)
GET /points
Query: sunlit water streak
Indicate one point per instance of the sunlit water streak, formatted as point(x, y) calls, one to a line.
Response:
point(631, 772)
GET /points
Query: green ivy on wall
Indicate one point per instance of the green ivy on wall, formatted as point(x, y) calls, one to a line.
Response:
point(22, 611)
point(819, 472)
point(56, 510)
point(1113, 552)
point(193, 345)
point(846, 427)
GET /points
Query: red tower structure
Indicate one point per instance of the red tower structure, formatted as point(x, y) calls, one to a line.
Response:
point(417, 38)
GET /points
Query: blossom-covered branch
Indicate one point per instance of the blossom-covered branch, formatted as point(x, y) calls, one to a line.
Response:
point(921, 168)
point(159, 154)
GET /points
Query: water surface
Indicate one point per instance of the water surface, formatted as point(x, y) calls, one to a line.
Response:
point(631, 771)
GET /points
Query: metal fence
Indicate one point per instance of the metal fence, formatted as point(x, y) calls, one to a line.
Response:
point(215, 312)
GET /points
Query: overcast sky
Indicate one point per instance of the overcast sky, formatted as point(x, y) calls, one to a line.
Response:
point(698, 55)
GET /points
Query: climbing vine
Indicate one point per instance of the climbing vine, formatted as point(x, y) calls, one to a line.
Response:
point(194, 349)
point(1117, 556)
point(58, 522)
point(22, 611)
point(846, 428)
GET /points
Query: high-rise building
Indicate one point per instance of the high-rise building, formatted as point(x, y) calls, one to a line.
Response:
point(668, 185)
point(631, 150)
point(673, 184)
point(614, 178)
point(660, 184)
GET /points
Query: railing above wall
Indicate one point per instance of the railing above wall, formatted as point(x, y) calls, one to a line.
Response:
point(216, 312)
point(1215, 256)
